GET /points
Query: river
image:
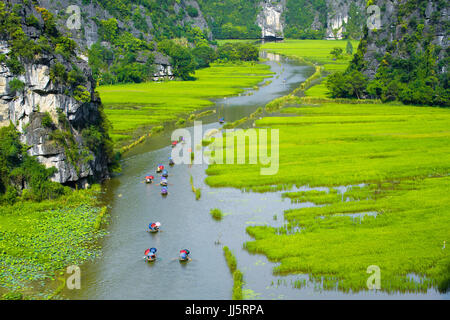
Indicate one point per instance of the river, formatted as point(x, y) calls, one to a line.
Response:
point(121, 272)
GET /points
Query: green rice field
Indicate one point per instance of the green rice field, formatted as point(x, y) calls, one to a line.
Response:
point(133, 106)
point(314, 51)
point(400, 153)
point(385, 169)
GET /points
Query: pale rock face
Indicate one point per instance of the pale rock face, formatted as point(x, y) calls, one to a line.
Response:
point(25, 110)
point(336, 26)
point(338, 15)
point(270, 19)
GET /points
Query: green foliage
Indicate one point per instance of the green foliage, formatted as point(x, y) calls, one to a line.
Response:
point(47, 121)
point(81, 94)
point(181, 58)
point(234, 51)
point(18, 169)
point(192, 11)
point(337, 52)
point(40, 238)
point(216, 214)
point(203, 56)
point(350, 85)
point(300, 15)
point(407, 69)
point(231, 19)
point(349, 48)
point(16, 85)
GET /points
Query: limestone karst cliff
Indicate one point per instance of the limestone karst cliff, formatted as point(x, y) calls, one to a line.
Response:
point(48, 94)
point(271, 20)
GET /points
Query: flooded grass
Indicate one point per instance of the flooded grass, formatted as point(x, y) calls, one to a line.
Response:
point(216, 214)
point(397, 159)
point(238, 281)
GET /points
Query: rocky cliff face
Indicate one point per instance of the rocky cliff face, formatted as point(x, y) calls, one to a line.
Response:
point(339, 16)
point(402, 21)
point(29, 107)
point(271, 20)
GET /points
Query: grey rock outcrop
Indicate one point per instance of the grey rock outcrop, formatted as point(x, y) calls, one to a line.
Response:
point(386, 38)
point(41, 96)
point(271, 20)
point(338, 16)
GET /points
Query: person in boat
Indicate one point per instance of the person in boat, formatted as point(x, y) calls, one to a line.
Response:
point(221, 120)
point(184, 254)
point(154, 226)
point(164, 191)
point(160, 168)
point(164, 182)
point(149, 179)
point(165, 173)
point(171, 162)
point(150, 254)
point(174, 144)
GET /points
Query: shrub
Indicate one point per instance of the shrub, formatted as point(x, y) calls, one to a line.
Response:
point(216, 214)
point(16, 85)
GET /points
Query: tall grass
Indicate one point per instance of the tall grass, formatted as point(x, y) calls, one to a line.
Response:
point(238, 281)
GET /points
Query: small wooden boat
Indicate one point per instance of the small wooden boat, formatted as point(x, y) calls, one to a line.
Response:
point(164, 191)
point(153, 230)
point(149, 259)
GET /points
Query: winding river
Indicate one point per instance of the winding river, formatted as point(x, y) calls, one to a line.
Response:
point(121, 272)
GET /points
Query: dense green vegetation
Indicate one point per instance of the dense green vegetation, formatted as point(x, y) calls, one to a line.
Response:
point(307, 19)
point(130, 59)
point(238, 281)
point(300, 15)
point(40, 238)
point(232, 19)
point(150, 104)
point(408, 68)
point(21, 175)
point(164, 19)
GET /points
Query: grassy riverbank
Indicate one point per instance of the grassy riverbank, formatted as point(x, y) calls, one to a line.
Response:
point(398, 219)
point(40, 239)
point(133, 106)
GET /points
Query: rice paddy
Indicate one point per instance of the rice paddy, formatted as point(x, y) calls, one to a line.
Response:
point(130, 107)
point(314, 51)
point(385, 171)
